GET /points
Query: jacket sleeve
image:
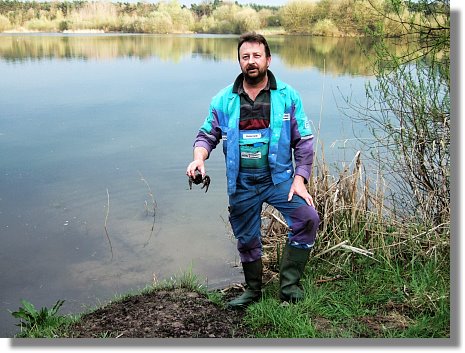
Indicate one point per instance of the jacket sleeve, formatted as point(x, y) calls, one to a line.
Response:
point(303, 156)
point(301, 139)
point(209, 134)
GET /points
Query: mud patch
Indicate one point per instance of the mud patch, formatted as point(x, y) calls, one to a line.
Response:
point(164, 314)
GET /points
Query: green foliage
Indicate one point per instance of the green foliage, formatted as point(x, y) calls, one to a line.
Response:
point(162, 17)
point(32, 319)
point(246, 20)
point(298, 16)
point(4, 23)
point(186, 279)
point(326, 28)
point(63, 26)
point(181, 19)
point(158, 22)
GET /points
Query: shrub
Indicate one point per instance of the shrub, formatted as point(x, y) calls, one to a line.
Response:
point(225, 13)
point(326, 27)
point(268, 18)
point(63, 26)
point(41, 25)
point(297, 16)
point(158, 22)
point(4, 23)
point(224, 27)
point(247, 19)
point(206, 24)
point(181, 18)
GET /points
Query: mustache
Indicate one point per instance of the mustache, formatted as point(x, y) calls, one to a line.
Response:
point(251, 67)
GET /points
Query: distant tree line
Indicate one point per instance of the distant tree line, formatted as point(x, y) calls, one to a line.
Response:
point(324, 17)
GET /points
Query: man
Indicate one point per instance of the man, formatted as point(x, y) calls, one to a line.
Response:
point(263, 127)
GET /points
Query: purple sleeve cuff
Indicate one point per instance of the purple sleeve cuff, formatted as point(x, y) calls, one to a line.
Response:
point(204, 144)
point(303, 156)
point(207, 141)
point(303, 171)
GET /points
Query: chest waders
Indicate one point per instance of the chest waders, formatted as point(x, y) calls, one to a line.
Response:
point(253, 147)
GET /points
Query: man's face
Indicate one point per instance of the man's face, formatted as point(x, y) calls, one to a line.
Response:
point(253, 61)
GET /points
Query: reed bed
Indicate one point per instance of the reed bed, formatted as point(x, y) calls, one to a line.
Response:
point(355, 220)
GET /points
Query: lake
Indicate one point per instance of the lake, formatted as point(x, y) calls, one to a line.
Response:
point(92, 125)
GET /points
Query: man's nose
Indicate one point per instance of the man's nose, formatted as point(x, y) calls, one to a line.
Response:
point(251, 60)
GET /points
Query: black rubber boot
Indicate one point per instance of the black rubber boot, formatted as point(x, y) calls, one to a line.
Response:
point(291, 270)
point(253, 278)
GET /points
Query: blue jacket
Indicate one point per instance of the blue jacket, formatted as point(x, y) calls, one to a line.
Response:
point(289, 130)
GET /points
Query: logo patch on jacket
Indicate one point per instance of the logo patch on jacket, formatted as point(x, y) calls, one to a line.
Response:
point(251, 155)
point(252, 135)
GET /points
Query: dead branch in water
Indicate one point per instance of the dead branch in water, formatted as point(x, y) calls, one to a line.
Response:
point(106, 221)
point(154, 206)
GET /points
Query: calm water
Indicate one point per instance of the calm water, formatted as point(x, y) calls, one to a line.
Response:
point(83, 118)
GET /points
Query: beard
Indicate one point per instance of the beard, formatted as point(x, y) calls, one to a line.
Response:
point(254, 74)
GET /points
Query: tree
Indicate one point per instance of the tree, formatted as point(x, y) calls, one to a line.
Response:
point(298, 16)
point(408, 110)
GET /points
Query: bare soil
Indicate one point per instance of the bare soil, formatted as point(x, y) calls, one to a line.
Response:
point(174, 313)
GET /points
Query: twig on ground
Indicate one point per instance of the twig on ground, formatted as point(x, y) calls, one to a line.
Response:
point(325, 280)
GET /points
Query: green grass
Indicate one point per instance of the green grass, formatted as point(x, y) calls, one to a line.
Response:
point(363, 299)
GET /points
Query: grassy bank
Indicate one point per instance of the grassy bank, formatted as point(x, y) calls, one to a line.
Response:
point(362, 299)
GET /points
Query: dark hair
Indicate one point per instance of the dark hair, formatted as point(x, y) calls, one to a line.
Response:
point(253, 37)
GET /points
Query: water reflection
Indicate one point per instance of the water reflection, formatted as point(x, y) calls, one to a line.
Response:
point(298, 51)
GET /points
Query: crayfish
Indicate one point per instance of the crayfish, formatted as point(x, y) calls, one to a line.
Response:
point(198, 179)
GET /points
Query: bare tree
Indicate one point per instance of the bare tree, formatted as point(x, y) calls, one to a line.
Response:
point(408, 109)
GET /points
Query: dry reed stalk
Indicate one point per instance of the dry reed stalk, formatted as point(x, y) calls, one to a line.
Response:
point(154, 206)
point(321, 108)
point(331, 248)
point(106, 221)
point(359, 251)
